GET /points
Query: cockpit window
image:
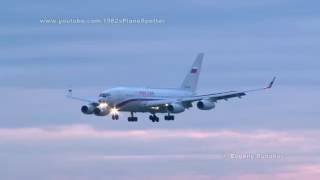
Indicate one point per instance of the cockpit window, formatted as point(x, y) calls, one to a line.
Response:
point(104, 95)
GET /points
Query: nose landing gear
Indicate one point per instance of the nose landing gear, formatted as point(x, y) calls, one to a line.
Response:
point(115, 117)
point(115, 113)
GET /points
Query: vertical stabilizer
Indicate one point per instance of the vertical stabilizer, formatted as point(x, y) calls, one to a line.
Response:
point(190, 82)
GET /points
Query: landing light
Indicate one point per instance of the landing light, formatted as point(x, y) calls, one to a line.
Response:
point(114, 111)
point(103, 105)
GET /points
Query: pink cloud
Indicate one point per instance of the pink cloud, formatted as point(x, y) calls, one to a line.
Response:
point(154, 157)
point(257, 141)
point(88, 132)
point(65, 133)
point(211, 141)
point(306, 171)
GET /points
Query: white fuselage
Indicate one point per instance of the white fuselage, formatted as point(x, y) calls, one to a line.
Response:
point(134, 99)
point(154, 101)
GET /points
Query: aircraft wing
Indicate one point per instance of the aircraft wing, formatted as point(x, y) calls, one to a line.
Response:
point(188, 100)
point(91, 101)
point(212, 97)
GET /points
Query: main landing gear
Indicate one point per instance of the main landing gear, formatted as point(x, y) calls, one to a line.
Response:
point(169, 117)
point(132, 118)
point(115, 117)
point(154, 118)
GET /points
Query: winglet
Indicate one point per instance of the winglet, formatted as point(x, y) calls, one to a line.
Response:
point(271, 83)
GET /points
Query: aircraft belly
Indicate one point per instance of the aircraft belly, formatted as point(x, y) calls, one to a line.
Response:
point(140, 107)
point(135, 107)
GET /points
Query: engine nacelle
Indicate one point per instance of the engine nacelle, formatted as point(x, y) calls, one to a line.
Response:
point(176, 108)
point(206, 105)
point(98, 111)
point(88, 109)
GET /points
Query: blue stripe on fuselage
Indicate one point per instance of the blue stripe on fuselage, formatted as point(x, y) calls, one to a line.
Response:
point(133, 100)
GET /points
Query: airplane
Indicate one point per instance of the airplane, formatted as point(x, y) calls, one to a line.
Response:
point(158, 101)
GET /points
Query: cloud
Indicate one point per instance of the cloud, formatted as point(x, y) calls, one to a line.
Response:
point(65, 133)
point(183, 143)
point(211, 143)
point(307, 171)
point(304, 171)
point(191, 152)
point(244, 4)
point(256, 37)
point(155, 157)
point(82, 131)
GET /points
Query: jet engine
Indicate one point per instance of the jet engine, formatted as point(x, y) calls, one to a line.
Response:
point(101, 111)
point(88, 109)
point(206, 105)
point(176, 108)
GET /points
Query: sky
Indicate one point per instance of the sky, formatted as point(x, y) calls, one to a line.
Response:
point(266, 135)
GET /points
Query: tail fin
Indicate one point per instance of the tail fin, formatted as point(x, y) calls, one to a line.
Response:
point(190, 82)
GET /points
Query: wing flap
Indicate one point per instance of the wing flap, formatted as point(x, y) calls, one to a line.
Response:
point(229, 96)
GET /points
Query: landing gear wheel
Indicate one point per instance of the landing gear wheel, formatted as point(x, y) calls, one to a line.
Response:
point(169, 118)
point(132, 119)
point(154, 118)
point(115, 117)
